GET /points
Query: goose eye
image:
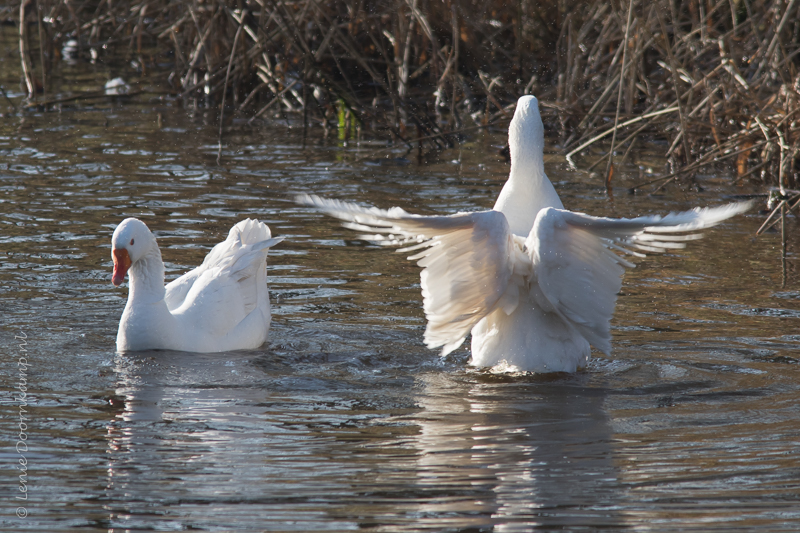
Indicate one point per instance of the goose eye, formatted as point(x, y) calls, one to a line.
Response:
point(131, 242)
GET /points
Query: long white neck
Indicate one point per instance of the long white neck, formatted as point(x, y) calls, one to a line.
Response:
point(527, 190)
point(147, 278)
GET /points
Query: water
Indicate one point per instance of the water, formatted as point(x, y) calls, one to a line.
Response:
point(345, 421)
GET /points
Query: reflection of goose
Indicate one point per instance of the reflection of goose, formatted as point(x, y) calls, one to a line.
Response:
point(534, 283)
point(516, 456)
point(221, 305)
point(183, 438)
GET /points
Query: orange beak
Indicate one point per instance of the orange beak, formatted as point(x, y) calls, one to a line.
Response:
point(122, 262)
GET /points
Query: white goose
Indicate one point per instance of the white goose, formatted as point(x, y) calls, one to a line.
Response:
point(221, 305)
point(535, 284)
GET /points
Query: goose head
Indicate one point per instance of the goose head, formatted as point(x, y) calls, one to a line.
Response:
point(132, 240)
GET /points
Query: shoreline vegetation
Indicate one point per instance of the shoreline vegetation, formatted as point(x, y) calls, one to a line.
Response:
point(717, 80)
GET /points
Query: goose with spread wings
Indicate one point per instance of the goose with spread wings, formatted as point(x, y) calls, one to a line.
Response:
point(534, 283)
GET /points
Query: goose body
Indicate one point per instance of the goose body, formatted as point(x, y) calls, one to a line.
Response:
point(533, 283)
point(221, 305)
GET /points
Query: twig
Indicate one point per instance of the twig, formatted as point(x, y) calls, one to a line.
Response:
point(84, 96)
point(776, 37)
point(10, 102)
point(271, 102)
point(611, 130)
point(673, 69)
point(225, 87)
point(27, 70)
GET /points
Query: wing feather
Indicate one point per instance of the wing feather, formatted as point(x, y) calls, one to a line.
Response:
point(467, 261)
point(230, 282)
point(579, 273)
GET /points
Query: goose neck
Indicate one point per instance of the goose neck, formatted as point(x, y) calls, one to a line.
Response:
point(527, 173)
point(147, 278)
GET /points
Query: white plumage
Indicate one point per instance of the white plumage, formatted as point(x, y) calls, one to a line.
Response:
point(221, 305)
point(534, 283)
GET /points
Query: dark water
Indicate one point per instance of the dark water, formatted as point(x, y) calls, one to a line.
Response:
point(345, 421)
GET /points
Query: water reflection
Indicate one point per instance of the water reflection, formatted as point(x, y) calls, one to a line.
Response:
point(217, 440)
point(199, 439)
point(183, 446)
point(517, 454)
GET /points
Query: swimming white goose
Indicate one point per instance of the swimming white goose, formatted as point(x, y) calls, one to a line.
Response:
point(221, 305)
point(535, 284)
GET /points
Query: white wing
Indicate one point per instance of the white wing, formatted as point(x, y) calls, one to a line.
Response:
point(223, 294)
point(576, 267)
point(232, 281)
point(232, 254)
point(467, 258)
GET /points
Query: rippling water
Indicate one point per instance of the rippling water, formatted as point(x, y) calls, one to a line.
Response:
point(345, 421)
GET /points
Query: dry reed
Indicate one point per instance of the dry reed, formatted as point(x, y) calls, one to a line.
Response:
point(717, 79)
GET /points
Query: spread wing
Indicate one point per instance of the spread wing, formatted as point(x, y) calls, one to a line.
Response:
point(578, 271)
point(467, 261)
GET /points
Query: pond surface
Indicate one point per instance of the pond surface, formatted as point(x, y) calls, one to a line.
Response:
point(344, 420)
